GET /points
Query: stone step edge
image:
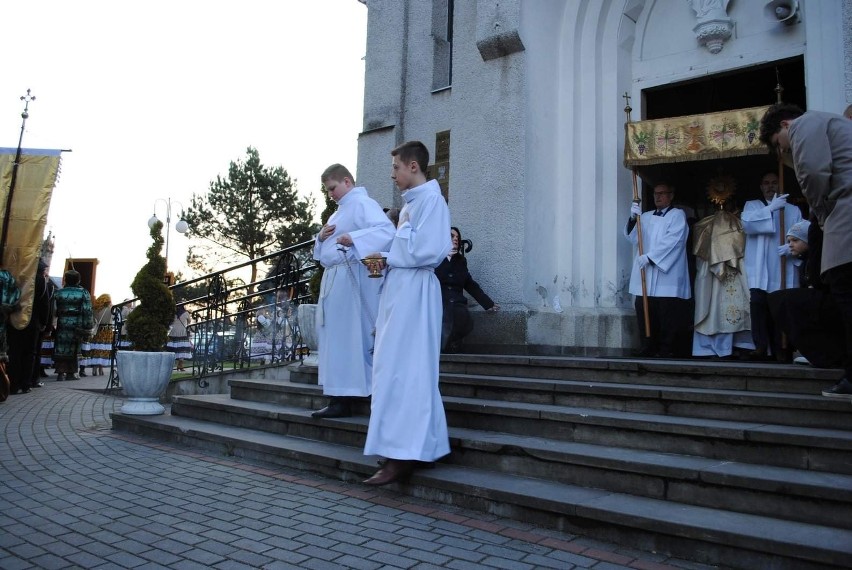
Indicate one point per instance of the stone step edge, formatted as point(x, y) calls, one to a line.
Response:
point(687, 367)
point(728, 429)
point(751, 532)
point(716, 396)
point(748, 476)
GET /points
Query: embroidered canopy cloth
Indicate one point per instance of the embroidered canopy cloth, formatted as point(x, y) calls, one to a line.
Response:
point(694, 137)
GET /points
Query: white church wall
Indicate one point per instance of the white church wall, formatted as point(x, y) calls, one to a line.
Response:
point(536, 174)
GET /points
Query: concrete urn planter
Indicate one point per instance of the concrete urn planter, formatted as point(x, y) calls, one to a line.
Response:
point(144, 377)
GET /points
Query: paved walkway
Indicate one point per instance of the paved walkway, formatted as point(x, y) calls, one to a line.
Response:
point(73, 494)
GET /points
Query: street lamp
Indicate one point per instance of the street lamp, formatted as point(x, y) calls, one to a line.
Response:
point(181, 226)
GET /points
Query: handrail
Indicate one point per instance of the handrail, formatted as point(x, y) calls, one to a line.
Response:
point(243, 324)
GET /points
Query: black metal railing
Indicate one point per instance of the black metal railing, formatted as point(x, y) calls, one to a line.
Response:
point(237, 324)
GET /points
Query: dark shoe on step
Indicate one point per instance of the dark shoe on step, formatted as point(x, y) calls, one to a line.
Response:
point(842, 389)
point(392, 470)
point(338, 407)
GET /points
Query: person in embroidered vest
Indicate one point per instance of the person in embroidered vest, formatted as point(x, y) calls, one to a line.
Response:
point(408, 425)
point(349, 297)
point(763, 257)
point(820, 145)
point(664, 237)
point(10, 302)
point(74, 324)
point(101, 345)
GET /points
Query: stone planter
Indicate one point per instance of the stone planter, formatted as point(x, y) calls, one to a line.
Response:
point(144, 377)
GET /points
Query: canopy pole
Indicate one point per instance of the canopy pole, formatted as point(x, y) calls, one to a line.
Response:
point(636, 200)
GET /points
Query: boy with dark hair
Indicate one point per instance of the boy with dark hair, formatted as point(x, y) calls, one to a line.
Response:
point(407, 424)
point(821, 148)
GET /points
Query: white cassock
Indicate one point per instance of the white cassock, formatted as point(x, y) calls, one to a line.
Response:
point(349, 298)
point(407, 421)
point(762, 262)
point(664, 242)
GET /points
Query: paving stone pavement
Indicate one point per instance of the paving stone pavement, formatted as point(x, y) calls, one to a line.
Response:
point(73, 494)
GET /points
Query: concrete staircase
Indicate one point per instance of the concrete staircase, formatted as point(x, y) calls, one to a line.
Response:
point(741, 465)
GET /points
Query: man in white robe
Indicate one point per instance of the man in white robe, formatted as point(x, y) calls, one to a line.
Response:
point(349, 298)
point(764, 253)
point(407, 423)
point(664, 234)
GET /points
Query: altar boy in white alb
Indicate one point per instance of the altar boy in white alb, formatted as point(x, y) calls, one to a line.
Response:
point(349, 298)
point(407, 422)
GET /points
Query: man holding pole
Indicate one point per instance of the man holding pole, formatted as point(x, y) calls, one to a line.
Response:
point(768, 264)
point(661, 258)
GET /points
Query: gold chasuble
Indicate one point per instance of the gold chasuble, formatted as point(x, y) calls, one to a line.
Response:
point(694, 137)
point(36, 177)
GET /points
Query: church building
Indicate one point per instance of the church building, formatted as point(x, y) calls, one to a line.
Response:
point(522, 104)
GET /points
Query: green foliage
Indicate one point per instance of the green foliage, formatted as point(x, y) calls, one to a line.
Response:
point(148, 324)
point(316, 278)
point(254, 211)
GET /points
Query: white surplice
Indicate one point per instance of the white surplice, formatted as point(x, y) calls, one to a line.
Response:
point(664, 242)
point(349, 298)
point(407, 421)
point(762, 262)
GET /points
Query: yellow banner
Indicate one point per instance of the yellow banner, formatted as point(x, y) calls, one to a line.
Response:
point(34, 183)
point(694, 137)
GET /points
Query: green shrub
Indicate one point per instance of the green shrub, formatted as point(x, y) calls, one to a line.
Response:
point(148, 324)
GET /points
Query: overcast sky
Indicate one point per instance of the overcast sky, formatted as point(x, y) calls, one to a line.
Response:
point(156, 98)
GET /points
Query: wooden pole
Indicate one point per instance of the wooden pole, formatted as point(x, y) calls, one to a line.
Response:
point(779, 91)
point(627, 110)
point(641, 271)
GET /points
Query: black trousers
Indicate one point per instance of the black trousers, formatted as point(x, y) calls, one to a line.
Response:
point(765, 334)
point(671, 324)
point(455, 325)
point(839, 281)
point(22, 354)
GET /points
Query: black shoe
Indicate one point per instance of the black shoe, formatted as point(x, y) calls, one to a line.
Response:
point(338, 407)
point(83, 373)
point(842, 389)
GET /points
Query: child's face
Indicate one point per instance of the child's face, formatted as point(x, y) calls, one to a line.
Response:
point(797, 246)
point(401, 174)
point(337, 189)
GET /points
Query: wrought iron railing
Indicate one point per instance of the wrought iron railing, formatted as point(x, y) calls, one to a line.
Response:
point(235, 324)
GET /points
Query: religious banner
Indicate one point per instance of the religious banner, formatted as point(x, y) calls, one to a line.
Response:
point(36, 176)
point(694, 137)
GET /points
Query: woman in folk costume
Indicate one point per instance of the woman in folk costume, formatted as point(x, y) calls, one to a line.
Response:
point(73, 326)
point(101, 344)
point(10, 297)
point(179, 337)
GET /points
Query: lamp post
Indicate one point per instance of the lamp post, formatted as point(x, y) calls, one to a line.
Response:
point(181, 226)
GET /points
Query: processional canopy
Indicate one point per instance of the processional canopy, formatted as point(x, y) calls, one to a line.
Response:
point(694, 137)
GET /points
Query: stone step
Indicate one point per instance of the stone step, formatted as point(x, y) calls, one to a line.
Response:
point(794, 494)
point(724, 537)
point(750, 376)
point(737, 405)
point(820, 449)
